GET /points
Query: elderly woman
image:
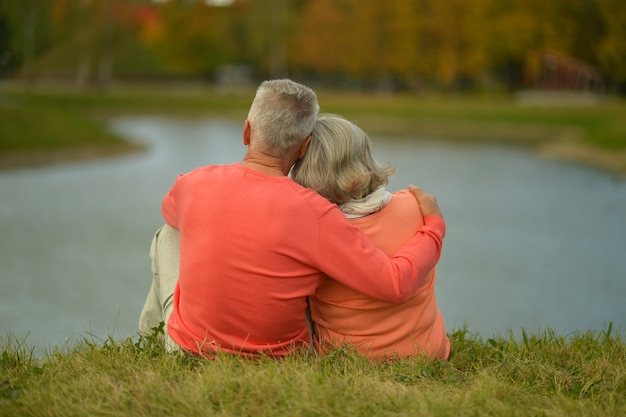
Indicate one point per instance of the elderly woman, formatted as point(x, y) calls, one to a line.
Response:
point(339, 166)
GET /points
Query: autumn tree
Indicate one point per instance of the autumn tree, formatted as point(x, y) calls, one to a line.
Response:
point(388, 44)
point(394, 42)
point(611, 50)
point(321, 38)
point(196, 38)
point(24, 28)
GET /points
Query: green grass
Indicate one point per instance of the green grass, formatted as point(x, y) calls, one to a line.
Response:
point(54, 121)
point(49, 128)
point(498, 118)
point(538, 375)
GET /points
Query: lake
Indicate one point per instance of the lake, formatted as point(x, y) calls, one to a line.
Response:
point(532, 243)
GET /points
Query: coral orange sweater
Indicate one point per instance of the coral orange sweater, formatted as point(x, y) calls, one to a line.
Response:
point(375, 328)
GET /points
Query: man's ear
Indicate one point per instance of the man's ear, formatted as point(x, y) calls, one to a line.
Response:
point(246, 133)
point(304, 146)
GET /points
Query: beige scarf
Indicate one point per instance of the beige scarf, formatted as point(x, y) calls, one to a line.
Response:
point(367, 205)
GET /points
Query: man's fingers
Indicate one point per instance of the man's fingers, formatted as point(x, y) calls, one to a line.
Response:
point(428, 203)
point(415, 190)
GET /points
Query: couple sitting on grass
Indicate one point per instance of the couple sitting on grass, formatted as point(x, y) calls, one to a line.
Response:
point(245, 248)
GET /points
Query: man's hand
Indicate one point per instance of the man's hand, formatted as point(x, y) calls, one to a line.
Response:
point(428, 203)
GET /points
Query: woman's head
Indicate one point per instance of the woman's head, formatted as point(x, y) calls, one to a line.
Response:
point(282, 114)
point(338, 163)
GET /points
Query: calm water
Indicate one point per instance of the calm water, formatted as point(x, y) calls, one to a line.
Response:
point(532, 243)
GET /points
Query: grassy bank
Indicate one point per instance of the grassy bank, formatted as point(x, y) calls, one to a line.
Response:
point(50, 125)
point(540, 374)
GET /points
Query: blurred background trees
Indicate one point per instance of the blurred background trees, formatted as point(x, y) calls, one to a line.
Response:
point(392, 45)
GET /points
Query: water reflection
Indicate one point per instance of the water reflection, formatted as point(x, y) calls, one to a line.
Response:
point(531, 242)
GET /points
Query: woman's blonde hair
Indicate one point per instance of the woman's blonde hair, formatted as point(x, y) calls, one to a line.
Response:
point(338, 163)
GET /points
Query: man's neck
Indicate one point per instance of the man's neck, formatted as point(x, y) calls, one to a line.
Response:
point(266, 164)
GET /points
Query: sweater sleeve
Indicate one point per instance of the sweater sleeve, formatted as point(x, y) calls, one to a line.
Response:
point(349, 257)
point(168, 207)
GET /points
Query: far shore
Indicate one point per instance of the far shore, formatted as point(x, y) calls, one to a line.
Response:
point(51, 127)
point(611, 161)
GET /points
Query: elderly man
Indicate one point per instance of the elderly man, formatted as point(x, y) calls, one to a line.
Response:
point(254, 244)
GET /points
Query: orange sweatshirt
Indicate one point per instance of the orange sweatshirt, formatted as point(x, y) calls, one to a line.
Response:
point(253, 247)
point(375, 328)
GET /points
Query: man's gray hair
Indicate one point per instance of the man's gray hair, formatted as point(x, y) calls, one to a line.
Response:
point(283, 114)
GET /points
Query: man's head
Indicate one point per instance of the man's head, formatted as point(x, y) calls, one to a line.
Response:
point(282, 115)
point(338, 163)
